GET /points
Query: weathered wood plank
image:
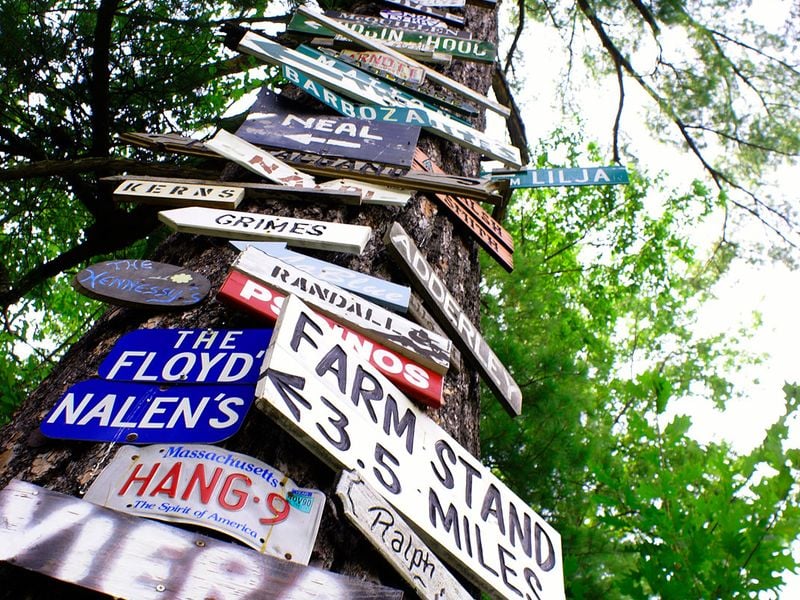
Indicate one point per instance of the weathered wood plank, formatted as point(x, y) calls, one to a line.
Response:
point(128, 557)
point(168, 193)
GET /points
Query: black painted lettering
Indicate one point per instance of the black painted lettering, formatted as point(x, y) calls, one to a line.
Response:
point(449, 521)
point(392, 420)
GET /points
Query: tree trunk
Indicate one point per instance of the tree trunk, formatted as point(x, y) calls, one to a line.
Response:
point(70, 467)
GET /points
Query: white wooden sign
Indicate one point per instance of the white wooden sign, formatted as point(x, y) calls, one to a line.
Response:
point(389, 64)
point(171, 193)
point(371, 193)
point(124, 556)
point(257, 160)
point(421, 345)
point(452, 318)
point(386, 530)
point(303, 233)
point(353, 418)
point(215, 489)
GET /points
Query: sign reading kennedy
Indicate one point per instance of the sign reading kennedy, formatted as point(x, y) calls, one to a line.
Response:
point(217, 489)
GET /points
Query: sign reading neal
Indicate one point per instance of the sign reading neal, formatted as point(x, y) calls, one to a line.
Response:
point(187, 356)
point(214, 488)
point(276, 122)
point(97, 410)
point(134, 282)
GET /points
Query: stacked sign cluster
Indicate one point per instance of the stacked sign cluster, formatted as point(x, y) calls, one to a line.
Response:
point(344, 370)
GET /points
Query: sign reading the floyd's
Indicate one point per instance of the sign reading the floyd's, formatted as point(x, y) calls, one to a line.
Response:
point(452, 319)
point(127, 557)
point(560, 177)
point(237, 225)
point(172, 193)
point(97, 410)
point(187, 356)
point(133, 282)
point(279, 123)
point(217, 489)
point(352, 417)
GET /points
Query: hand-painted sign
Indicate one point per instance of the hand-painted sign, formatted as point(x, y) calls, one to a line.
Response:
point(419, 344)
point(217, 489)
point(428, 11)
point(127, 557)
point(465, 49)
point(442, 3)
point(389, 295)
point(388, 65)
point(452, 318)
point(304, 233)
point(170, 193)
point(396, 541)
point(371, 193)
point(276, 122)
point(420, 21)
point(133, 282)
point(97, 410)
point(420, 383)
point(352, 417)
point(572, 176)
point(187, 356)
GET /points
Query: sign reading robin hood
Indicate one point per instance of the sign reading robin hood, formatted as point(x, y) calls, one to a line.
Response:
point(279, 123)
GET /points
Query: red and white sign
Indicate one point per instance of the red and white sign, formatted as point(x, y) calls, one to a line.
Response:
point(214, 488)
point(420, 383)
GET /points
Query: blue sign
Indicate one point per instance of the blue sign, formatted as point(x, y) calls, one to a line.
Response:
point(187, 356)
point(572, 176)
point(97, 410)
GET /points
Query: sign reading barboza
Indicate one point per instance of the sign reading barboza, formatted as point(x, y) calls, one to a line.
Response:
point(354, 418)
point(304, 233)
point(452, 319)
point(217, 489)
point(559, 177)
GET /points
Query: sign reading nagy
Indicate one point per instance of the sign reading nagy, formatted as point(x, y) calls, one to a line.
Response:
point(217, 489)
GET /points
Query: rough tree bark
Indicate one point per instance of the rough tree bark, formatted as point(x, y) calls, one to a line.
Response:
point(70, 467)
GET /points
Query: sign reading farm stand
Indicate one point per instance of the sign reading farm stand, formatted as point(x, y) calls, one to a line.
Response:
point(217, 489)
point(134, 282)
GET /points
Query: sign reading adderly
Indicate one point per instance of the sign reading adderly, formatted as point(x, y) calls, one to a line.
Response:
point(217, 489)
point(352, 417)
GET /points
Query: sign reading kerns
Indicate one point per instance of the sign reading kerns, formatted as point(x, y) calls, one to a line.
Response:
point(304, 233)
point(354, 418)
point(171, 193)
point(452, 319)
point(134, 282)
point(128, 557)
point(276, 122)
point(216, 489)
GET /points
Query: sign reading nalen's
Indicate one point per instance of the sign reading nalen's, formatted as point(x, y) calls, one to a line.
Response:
point(396, 541)
point(216, 489)
point(304, 233)
point(187, 356)
point(452, 318)
point(418, 343)
point(128, 557)
point(420, 383)
point(276, 122)
point(558, 177)
point(98, 410)
point(178, 194)
point(354, 418)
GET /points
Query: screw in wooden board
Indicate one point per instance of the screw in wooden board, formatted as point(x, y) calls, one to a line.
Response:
point(161, 587)
point(131, 437)
point(199, 543)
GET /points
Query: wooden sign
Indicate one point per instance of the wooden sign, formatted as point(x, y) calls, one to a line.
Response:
point(371, 193)
point(277, 122)
point(458, 47)
point(420, 383)
point(410, 5)
point(575, 176)
point(390, 535)
point(442, 3)
point(217, 489)
point(452, 318)
point(389, 295)
point(169, 193)
point(128, 557)
point(421, 22)
point(303, 233)
point(134, 282)
point(97, 410)
point(430, 74)
point(257, 160)
point(388, 65)
point(352, 417)
point(419, 344)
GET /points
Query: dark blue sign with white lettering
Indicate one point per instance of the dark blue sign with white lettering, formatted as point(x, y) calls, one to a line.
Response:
point(97, 410)
point(187, 356)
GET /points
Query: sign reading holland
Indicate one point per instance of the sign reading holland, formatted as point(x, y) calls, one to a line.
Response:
point(304, 233)
point(557, 177)
point(217, 489)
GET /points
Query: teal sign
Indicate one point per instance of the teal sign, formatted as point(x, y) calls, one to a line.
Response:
point(573, 176)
